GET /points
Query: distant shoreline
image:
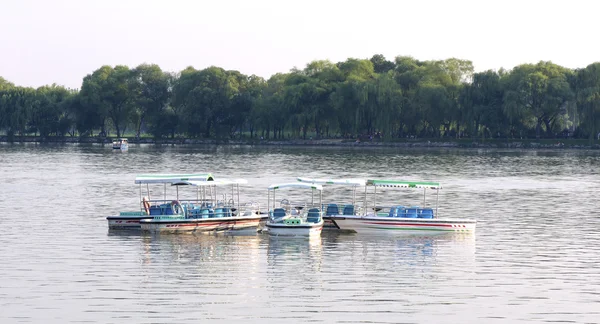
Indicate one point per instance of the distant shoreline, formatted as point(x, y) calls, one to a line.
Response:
point(408, 143)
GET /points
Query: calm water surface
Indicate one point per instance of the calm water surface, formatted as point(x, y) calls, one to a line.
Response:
point(534, 257)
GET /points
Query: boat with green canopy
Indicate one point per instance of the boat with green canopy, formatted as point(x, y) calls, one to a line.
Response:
point(380, 211)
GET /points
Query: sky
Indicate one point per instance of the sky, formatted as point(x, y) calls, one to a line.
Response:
point(61, 41)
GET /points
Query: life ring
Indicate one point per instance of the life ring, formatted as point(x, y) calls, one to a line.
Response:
point(177, 208)
point(146, 204)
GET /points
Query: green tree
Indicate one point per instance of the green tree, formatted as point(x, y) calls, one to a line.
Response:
point(16, 106)
point(49, 110)
point(588, 98)
point(151, 91)
point(381, 65)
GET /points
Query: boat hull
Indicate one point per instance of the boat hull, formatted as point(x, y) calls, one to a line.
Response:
point(199, 225)
point(125, 222)
point(280, 229)
point(403, 225)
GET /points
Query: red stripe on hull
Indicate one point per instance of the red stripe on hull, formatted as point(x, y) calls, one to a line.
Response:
point(208, 224)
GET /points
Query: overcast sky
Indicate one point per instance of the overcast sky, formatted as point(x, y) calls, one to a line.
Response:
point(61, 41)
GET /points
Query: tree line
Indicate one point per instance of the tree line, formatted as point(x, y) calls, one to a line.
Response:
point(357, 97)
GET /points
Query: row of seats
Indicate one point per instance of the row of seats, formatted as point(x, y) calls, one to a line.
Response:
point(192, 211)
point(410, 212)
point(163, 209)
point(313, 216)
point(209, 213)
point(333, 209)
point(396, 211)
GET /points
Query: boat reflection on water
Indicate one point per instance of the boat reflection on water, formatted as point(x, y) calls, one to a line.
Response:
point(294, 245)
point(300, 252)
point(203, 250)
point(391, 250)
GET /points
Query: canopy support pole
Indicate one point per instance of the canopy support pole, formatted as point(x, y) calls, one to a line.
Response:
point(141, 194)
point(365, 202)
point(437, 199)
point(375, 201)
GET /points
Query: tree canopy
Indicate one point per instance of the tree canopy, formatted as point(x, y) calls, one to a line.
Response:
point(398, 98)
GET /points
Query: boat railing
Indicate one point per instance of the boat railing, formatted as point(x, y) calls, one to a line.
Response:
point(249, 209)
point(333, 209)
point(191, 203)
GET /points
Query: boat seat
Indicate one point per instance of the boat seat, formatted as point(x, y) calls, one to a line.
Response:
point(278, 213)
point(349, 210)
point(426, 213)
point(226, 212)
point(165, 209)
point(218, 212)
point(313, 215)
point(332, 209)
point(155, 210)
point(411, 212)
point(204, 213)
point(193, 213)
point(399, 211)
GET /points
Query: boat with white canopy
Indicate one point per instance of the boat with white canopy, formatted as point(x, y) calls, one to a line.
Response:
point(151, 204)
point(120, 144)
point(208, 213)
point(295, 218)
point(380, 212)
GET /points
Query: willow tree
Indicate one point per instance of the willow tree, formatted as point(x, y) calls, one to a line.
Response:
point(108, 93)
point(356, 96)
point(151, 88)
point(16, 106)
point(50, 112)
point(482, 103)
point(588, 98)
point(538, 94)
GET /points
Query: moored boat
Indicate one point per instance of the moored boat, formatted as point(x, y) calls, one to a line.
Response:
point(207, 214)
point(294, 219)
point(378, 215)
point(148, 203)
point(120, 144)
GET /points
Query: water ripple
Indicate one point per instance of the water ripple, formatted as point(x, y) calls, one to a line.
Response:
point(531, 260)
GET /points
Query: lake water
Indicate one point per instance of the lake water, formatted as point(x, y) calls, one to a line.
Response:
point(533, 258)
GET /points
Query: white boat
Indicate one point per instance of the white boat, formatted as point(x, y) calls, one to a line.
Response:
point(295, 219)
point(207, 213)
point(149, 203)
point(120, 144)
point(379, 217)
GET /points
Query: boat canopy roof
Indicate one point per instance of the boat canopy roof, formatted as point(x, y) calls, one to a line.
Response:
point(404, 184)
point(172, 178)
point(349, 182)
point(296, 185)
point(220, 182)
